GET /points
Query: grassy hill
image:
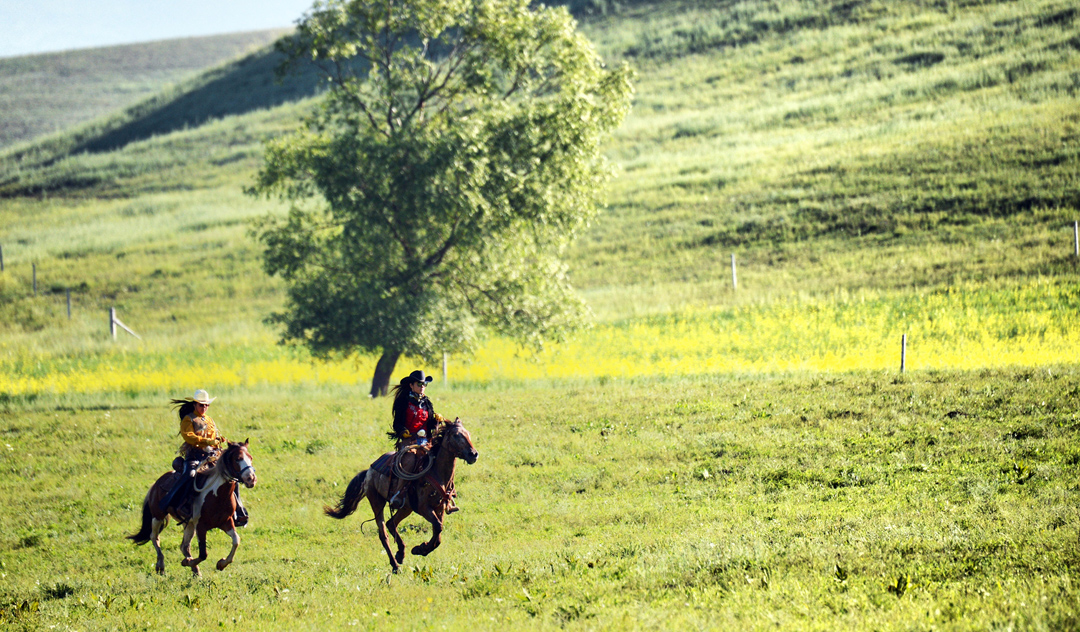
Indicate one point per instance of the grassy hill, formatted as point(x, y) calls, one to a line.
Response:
point(47, 93)
point(701, 457)
point(824, 141)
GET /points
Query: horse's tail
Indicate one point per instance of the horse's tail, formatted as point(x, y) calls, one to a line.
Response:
point(143, 536)
point(353, 493)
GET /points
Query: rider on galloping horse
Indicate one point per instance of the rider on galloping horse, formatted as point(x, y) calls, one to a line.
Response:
point(415, 423)
point(201, 440)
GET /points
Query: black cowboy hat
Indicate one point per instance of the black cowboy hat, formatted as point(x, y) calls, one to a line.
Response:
point(418, 376)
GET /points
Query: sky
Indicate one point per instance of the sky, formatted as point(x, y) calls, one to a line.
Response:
point(41, 26)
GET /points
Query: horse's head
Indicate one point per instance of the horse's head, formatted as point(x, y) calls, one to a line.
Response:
point(456, 439)
point(237, 462)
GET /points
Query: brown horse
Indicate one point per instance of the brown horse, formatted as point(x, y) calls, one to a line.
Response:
point(212, 508)
point(429, 497)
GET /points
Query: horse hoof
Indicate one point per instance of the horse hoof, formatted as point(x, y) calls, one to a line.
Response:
point(186, 561)
point(400, 557)
point(195, 571)
point(419, 550)
point(160, 569)
point(221, 564)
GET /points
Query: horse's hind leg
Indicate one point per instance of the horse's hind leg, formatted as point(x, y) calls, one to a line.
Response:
point(377, 505)
point(155, 539)
point(392, 524)
point(231, 531)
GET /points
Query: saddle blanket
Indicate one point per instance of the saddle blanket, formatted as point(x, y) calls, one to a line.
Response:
point(384, 464)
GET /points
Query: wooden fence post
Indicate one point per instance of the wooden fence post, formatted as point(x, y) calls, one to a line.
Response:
point(1, 258)
point(1076, 242)
point(114, 322)
point(444, 381)
point(903, 353)
point(734, 280)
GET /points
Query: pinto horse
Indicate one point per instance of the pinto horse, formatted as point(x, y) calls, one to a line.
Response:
point(212, 508)
point(429, 498)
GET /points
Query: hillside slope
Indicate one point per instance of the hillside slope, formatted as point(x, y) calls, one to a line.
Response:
point(47, 93)
point(774, 126)
point(834, 146)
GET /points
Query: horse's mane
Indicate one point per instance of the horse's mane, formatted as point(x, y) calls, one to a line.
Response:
point(439, 435)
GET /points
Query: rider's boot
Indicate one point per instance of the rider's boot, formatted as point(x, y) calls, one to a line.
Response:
point(175, 494)
point(240, 517)
point(184, 506)
point(397, 494)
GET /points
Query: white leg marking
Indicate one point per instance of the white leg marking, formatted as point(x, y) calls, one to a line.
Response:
point(189, 532)
point(222, 563)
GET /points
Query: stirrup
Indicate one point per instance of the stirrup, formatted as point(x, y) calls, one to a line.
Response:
point(397, 501)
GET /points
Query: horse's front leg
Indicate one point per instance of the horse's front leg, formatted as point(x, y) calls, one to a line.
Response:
point(155, 539)
point(427, 513)
point(185, 543)
point(230, 530)
point(194, 563)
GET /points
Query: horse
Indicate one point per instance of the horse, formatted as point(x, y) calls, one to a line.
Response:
point(430, 497)
point(212, 508)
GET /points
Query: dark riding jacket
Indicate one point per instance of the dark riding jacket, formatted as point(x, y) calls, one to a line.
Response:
point(414, 414)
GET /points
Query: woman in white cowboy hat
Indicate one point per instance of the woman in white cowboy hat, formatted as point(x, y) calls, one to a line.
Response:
point(201, 440)
point(196, 427)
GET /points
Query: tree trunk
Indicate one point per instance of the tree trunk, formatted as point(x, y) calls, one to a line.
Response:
point(380, 383)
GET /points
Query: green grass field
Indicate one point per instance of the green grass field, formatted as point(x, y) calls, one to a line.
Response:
point(802, 501)
point(698, 458)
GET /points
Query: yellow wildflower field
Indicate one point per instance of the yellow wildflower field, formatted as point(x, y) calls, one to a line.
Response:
point(972, 327)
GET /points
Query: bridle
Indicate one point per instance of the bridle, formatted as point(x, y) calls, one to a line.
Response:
point(229, 477)
point(225, 474)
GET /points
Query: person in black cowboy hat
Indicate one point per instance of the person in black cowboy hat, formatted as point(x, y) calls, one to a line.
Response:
point(415, 422)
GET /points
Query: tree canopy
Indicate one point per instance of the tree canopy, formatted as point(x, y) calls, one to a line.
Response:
point(454, 156)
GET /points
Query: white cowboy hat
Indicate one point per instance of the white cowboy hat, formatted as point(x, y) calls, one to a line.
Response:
point(202, 397)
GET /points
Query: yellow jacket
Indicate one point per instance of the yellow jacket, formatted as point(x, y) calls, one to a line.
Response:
point(198, 432)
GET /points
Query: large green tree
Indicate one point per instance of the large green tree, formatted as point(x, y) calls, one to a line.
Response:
point(454, 156)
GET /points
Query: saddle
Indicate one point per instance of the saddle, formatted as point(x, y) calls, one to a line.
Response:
point(181, 497)
point(200, 474)
point(445, 493)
